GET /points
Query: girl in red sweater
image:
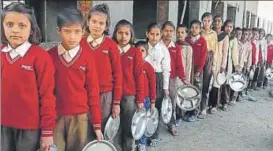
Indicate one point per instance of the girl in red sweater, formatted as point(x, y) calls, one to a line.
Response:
point(77, 86)
point(27, 101)
point(107, 59)
point(149, 88)
point(133, 80)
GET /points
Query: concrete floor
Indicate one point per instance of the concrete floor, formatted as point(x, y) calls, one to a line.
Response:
point(247, 126)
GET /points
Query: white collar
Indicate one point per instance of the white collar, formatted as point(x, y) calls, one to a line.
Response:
point(171, 44)
point(21, 50)
point(124, 49)
point(157, 45)
point(72, 52)
point(98, 40)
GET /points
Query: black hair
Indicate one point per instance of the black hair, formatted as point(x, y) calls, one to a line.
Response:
point(69, 16)
point(168, 23)
point(195, 22)
point(124, 22)
point(238, 29)
point(142, 43)
point(35, 35)
point(255, 29)
point(206, 14)
point(183, 26)
point(100, 8)
point(268, 35)
point(218, 16)
point(245, 30)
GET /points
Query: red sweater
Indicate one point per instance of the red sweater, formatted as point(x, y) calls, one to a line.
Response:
point(149, 81)
point(253, 52)
point(77, 86)
point(177, 69)
point(108, 66)
point(269, 53)
point(199, 52)
point(27, 96)
point(132, 69)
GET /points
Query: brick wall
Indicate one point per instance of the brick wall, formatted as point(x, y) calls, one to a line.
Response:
point(162, 11)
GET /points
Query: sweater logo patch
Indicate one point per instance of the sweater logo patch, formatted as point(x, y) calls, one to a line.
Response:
point(173, 50)
point(26, 67)
point(82, 68)
point(198, 44)
point(129, 57)
point(144, 72)
point(105, 51)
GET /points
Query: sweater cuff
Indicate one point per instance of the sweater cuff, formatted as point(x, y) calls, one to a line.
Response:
point(116, 102)
point(47, 133)
point(97, 126)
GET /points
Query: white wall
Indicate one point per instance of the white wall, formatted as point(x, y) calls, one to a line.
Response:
point(173, 12)
point(118, 10)
point(204, 6)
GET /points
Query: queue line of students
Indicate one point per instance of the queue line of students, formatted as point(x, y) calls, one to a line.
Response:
point(86, 79)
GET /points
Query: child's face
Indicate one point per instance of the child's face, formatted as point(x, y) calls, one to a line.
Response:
point(181, 34)
point(143, 51)
point(207, 21)
point(123, 35)
point(245, 36)
point(269, 39)
point(217, 23)
point(238, 34)
point(255, 35)
point(249, 35)
point(17, 28)
point(195, 29)
point(97, 24)
point(228, 28)
point(153, 35)
point(70, 35)
point(261, 34)
point(168, 32)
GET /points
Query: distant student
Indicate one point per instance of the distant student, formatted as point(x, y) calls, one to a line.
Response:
point(262, 57)
point(199, 47)
point(107, 59)
point(212, 48)
point(159, 58)
point(269, 58)
point(221, 63)
point(177, 69)
point(149, 88)
point(27, 100)
point(133, 80)
point(238, 33)
point(77, 86)
point(255, 56)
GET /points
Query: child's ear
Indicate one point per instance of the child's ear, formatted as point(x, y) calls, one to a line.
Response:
point(58, 30)
point(146, 33)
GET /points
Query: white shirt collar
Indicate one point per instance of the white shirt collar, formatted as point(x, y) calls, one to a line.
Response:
point(171, 44)
point(195, 38)
point(124, 49)
point(72, 52)
point(98, 40)
point(21, 50)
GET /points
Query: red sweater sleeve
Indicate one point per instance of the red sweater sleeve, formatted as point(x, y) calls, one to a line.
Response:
point(179, 63)
point(45, 71)
point(253, 53)
point(139, 77)
point(152, 82)
point(203, 55)
point(117, 72)
point(92, 86)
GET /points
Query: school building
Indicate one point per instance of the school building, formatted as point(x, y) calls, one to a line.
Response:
point(142, 12)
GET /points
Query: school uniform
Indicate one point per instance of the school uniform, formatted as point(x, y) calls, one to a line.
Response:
point(187, 62)
point(27, 88)
point(199, 47)
point(177, 71)
point(149, 91)
point(269, 60)
point(220, 57)
point(262, 60)
point(132, 94)
point(159, 57)
point(255, 60)
point(77, 94)
point(108, 65)
point(232, 62)
point(211, 39)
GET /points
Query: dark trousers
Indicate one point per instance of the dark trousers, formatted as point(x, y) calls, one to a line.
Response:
point(261, 76)
point(225, 93)
point(106, 107)
point(13, 139)
point(207, 74)
point(124, 140)
point(172, 90)
point(159, 98)
point(255, 78)
point(214, 97)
